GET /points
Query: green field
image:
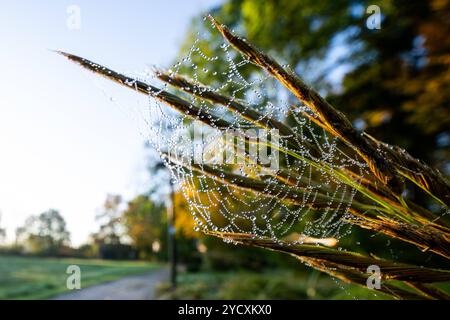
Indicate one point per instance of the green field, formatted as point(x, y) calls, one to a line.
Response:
point(41, 278)
point(268, 284)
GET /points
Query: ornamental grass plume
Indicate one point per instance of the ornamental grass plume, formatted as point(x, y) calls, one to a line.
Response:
point(380, 205)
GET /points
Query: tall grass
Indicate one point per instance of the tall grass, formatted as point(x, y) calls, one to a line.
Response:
point(381, 206)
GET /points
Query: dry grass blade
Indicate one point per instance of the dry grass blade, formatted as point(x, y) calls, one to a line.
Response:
point(168, 98)
point(418, 172)
point(391, 270)
point(429, 291)
point(425, 237)
point(349, 266)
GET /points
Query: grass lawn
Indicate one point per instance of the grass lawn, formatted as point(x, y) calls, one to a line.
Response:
point(41, 278)
point(270, 284)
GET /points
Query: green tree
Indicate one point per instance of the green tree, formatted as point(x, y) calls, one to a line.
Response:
point(146, 224)
point(111, 228)
point(45, 233)
point(400, 88)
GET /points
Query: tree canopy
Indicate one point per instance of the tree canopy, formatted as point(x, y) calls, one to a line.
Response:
point(45, 233)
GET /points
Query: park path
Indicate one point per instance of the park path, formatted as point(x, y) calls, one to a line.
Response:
point(138, 287)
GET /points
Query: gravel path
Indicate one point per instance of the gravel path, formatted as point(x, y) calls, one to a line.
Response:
point(139, 287)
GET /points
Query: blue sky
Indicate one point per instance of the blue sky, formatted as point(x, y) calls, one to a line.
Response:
point(64, 143)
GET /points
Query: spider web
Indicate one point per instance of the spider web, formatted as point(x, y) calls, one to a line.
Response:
point(299, 198)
